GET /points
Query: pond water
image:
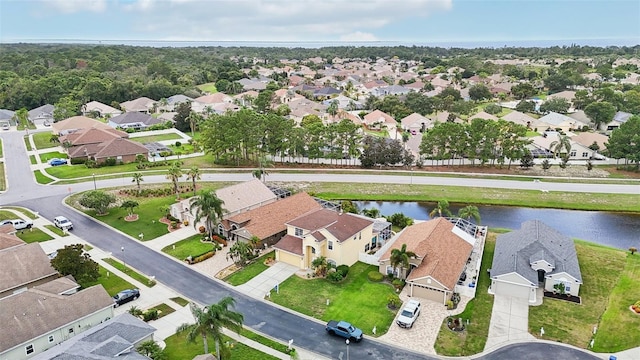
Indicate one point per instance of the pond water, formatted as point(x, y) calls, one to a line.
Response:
point(620, 230)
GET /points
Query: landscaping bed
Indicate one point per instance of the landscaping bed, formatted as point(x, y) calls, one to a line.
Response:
point(179, 348)
point(250, 271)
point(191, 246)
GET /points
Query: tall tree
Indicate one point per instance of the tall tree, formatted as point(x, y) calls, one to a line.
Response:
point(624, 142)
point(442, 208)
point(480, 92)
point(74, 261)
point(557, 146)
point(209, 207)
point(600, 113)
point(469, 212)
point(129, 205)
point(137, 178)
point(174, 173)
point(399, 259)
point(97, 200)
point(193, 174)
point(210, 321)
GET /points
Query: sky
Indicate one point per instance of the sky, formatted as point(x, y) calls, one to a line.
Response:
point(419, 22)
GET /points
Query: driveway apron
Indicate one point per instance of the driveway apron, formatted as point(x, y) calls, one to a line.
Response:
point(266, 281)
point(509, 321)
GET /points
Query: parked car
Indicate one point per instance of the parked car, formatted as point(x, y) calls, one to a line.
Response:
point(125, 296)
point(345, 330)
point(62, 223)
point(409, 314)
point(18, 224)
point(56, 162)
point(6, 126)
point(462, 278)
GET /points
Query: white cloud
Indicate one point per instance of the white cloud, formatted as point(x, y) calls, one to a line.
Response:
point(74, 6)
point(271, 20)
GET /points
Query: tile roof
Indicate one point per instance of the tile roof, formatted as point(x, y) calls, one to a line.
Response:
point(444, 254)
point(33, 313)
point(270, 219)
point(21, 265)
point(341, 225)
point(534, 240)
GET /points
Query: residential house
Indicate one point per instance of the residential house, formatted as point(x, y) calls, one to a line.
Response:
point(23, 266)
point(141, 104)
point(345, 102)
point(215, 98)
point(416, 123)
point(555, 121)
point(618, 119)
point(252, 84)
point(483, 115)
point(567, 95)
point(76, 123)
point(379, 119)
point(337, 236)
point(237, 198)
point(587, 139)
point(174, 101)
point(267, 222)
point(534, 257)
point(580, 116)
point(520, 118)
point(389, 90)
point(122, 150)
point(577, 152)
point(41, 319)
point(325, 93)
point(442, 250)
point(133, 120)
point(117, 338)
point(100, 109)
point(42, 114)
point(7, 117)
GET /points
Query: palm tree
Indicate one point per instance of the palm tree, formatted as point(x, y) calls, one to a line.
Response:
point(469, 212)
point(441, 208)
point(208, 207)
point(372, 213)
point(401, 257)
point(137, 178)
point(563, 143)
point(210, 320)
point(174, 173)
point(261, 173)
point(332, 109)
point(193, 174)
point(129, 205)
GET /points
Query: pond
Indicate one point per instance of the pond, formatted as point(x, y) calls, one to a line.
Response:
point(620, 230)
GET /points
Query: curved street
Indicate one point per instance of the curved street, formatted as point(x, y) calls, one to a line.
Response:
point(259, 315)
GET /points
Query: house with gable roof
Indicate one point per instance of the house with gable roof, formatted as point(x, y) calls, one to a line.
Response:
point(338, 236)
point(41, 114)
point(416, 122)
point(534, 257)
point(379, 119)
point(76, 123)
point(141, 104)
point(102, 110)
point(23, 266)
point(133, 120)
point(442, 250)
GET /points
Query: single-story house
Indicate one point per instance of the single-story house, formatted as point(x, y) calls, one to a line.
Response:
point(555, 121)
point(133, 120)
point(380, 119)
point(618, 119)
point(338, 236)
point(121, 149)
point(267, 222)
point(141, 104)
point(74, 123)
point(23, 266)
point(7, 117)
point(483, 115)
point(587, 139)
point(577, 152)
point(42, 114)
point(518, 117)
point(416, 122)
point(535, 256)
point(102, 110)
point(442, 252)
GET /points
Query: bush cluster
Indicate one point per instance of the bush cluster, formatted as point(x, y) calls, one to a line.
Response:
point(155, 192)
point(150, 315)
point(335, 276)
point(200, 258)
point(375, 276)
point(147, 164)
point(343, 270)
point(219, 240)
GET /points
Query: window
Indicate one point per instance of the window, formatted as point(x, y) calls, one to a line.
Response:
point(389, 269)
point(572, 153)
point(330, 245)
point(298, 232)
point(567, 287)
point(367, 247)
point(585, 154)
point(313, 250)
point(70, 330)
point(29, 349)
point(51, 338)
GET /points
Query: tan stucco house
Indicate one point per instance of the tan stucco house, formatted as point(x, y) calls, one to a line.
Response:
point(338, 236)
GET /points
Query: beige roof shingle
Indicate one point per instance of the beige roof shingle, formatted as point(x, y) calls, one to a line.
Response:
point(20, 265)
point(245, 195)
point(77, 122)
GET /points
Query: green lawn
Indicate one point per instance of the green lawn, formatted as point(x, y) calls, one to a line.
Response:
point(191, 246)
point(56, 230)
point(156, 138)
point(42, 140)
point(356, 299)
point(44, 158)
point(180, 301)
point(112, 283)
point(3, 185)
point(208, 87)
point(617, 318)
point(27, 143)
point(33, 235)
point(478, 196)
point(266, 341)
point(1, 153)
point(178, 348)
point(129, 271)
point(185, 148)
point(21, 210)
point(43, 179)
point(32, 159)
point(571, 323)
point(532, 133)
point(163, 310)
point(478, 311)
point(250, 271)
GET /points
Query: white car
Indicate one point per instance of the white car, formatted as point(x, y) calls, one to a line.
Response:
point(409, 314)
point(63, 223)
point(18, 224)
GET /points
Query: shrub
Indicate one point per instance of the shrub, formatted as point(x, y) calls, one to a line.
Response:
point(202, 229)
point(335, 276)
point(393, 302)
point(204, 257)
point(178, 144)
point(398, 283)
point(219, 240)
point(174, 224)
point(150, 315)
point(343, 270)
point(375, 276)
point(78, 161)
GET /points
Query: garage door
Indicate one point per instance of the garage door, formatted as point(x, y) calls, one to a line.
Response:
point(428, 293)
point(509, 289)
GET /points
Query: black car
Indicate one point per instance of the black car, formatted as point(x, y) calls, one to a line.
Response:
point(125, 296)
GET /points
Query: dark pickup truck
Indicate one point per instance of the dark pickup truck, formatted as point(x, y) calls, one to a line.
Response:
point(345, 330)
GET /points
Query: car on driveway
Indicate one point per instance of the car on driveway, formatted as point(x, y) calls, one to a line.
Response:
point(125, 296)
point(62, 223)
point(57, 162)
point(409, 314)
point(18, 224)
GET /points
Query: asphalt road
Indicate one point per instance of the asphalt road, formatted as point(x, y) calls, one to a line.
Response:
point(260, 315)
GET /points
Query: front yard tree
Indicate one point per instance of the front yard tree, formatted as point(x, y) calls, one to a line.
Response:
point(208, 207)
point(137, 178)
point(480, 92)
point(210, 322)
point(193, 174)
point(174, 173)
point(97, 200)
point(561, 146)
point(400, 259)
point(74, 261)
point(600, 113)
point(525, 106)
point(624, 142)
point(523, 91)
point(526, 161)
point(241, 252)
point(546, 165)
point(181, 118)
point(129, 205)
point(559, 105)
point(469, 212)
point(320, 265)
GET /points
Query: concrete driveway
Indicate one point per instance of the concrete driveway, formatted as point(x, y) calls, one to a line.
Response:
point(266, 281)
point(509, 321)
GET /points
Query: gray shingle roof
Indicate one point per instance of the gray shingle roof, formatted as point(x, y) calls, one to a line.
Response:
point(134, 117)
point(516, 250)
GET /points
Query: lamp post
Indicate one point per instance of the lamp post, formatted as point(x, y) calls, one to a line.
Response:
point(123, 261)
point(347, 342)
point(94, 182)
